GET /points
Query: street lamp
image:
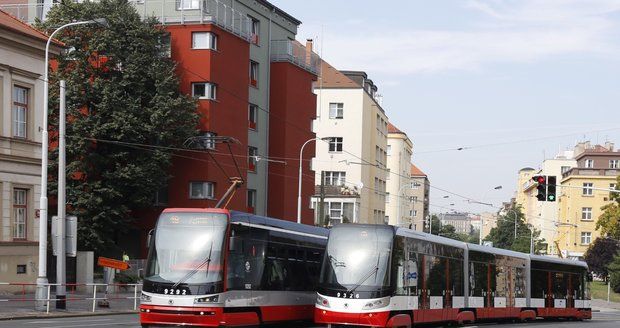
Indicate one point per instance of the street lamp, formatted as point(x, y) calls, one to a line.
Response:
point(301, 151)
point(481, 217)
point(42, 278)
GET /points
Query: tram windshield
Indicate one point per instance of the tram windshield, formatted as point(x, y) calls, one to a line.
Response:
point(357, 258)
point(187, 249)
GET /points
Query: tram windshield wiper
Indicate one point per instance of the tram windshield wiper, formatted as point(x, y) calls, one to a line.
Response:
point(336, 262)
point(193, 271)
point(366, 276)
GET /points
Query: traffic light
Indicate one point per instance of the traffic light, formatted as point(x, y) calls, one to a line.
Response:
point(551, 180)
point(542, 187)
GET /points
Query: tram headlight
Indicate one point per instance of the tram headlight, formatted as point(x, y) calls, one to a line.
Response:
point(322, 301)
point(383, 302)
point(145, 298)
point(208, 299)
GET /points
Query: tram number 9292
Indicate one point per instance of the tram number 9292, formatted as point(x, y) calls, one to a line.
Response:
point(175, 291)
point(347, 295)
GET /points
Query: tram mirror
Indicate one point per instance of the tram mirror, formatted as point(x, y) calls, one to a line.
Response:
point(589, 277)
point(148, 238)
point(141, 273)
point(234, 243)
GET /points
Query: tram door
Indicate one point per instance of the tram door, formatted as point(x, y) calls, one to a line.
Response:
point(412, 279)
point(549, 293)
point(423, 299)
point(570, 291)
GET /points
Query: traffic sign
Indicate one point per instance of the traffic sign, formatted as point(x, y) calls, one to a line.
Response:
point(112, 263)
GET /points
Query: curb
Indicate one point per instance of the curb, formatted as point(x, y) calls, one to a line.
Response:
point(53, 315)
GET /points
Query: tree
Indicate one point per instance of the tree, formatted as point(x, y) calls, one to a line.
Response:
point(503, 235)
point(609, 220)
point(449, 231)
point(600, 254)
point(614, 271)
point(125, 113)
point(435, 224)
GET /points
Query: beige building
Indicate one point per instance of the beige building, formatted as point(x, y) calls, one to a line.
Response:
point(353, 159)
point(543, 215)
point(419, 196)
point(397, 204)
point(579, 203)
point(22, 53)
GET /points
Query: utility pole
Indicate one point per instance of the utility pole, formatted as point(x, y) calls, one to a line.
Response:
point(321, 217)
point(61, 256)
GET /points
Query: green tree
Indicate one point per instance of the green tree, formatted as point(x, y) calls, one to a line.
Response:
point(609, 221)
point(600, 254)
point(435, 224)
point(121, 88)
point(614, 273)
point(503, 235)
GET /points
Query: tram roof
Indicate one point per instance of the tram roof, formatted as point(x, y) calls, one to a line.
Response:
point(236, 216)
point(429, 237)
point(498, 251)
point(558, 260)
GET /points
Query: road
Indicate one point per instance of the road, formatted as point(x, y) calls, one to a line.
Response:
point(606, 319)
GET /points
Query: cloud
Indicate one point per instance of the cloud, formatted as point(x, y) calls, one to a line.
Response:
point(510, 31)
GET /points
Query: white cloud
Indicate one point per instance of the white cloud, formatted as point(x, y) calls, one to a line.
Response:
point(511, 31)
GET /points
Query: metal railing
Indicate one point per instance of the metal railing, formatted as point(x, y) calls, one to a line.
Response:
point(166, 11)
point(110, 292)
point(295, 53)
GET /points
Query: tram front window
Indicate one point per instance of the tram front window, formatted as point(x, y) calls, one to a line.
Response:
point(187, 251)
point(357, 260)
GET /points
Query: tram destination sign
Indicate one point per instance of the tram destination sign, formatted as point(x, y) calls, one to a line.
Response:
point(112, 263)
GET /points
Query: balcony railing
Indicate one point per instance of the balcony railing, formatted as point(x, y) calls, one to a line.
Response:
point(591, 172)
point(166, 11)
point(293, 52)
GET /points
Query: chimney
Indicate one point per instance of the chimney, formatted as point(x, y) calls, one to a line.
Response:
point(309, 52)
point(309, 45)
point(609, 145)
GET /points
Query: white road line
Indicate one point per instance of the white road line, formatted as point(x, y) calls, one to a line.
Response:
point(95, 324)
point(66, 321)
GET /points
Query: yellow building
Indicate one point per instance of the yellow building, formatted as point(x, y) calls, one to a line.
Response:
point(579, 201)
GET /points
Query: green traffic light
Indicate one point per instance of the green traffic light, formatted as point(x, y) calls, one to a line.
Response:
point(551, 197)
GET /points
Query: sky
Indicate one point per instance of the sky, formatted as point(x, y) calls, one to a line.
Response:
point(513, 82)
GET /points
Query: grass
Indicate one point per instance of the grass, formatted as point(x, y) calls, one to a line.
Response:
point(599, 291)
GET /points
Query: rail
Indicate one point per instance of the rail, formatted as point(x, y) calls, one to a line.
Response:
point(295, 53)
point(72, 293)
point(166, 11)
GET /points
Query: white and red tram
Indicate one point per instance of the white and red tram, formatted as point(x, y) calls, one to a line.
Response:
point(381, 276)
point(214, 267)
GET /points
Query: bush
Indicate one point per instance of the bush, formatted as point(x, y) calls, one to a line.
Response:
point(614, 273)
point(125, 278)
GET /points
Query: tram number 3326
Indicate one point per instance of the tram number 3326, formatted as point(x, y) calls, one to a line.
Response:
point(175, 291)
point(348, 295)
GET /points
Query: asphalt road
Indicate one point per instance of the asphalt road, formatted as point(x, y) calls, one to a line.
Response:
point(607, 319)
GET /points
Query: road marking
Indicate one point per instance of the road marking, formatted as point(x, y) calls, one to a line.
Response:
point(66, 321)
point(97, 324)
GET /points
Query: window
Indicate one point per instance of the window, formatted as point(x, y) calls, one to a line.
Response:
point(415, 185)
point(613, 164)
point(335, 210)
point(387, 197)
point(188, 4)
point(586, 213)
point(336, 110)
point(252, 116)
point(335, 144)
point(21, 269)
point(20, 208)
point(565, 169)
point(389, 150)
point(201, 190)
point(586, 238)
point(413, 199)
point(252, 158)
point(415, 213)
point(208, 140)
point(254, 30)
point(20, 111)
point(587, 189)
point(251, 201)
point(589, 163)
point(204, 40)
point(253, 73)
point(335, 178)
point(204, 90)
point(410, 212)
point(161, 196)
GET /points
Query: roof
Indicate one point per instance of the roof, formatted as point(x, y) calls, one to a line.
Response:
point(416, 172)
point(394, 129)
point(333, 78)
point(7, 21)
point(279, 11)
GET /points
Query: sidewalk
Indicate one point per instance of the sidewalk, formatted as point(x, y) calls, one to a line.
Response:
point(603, 306)
point(78, 304)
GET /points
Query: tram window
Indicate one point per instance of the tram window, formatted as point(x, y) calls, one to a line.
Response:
point(493, 279)
point(501, 280)
point(436, 267)
point(245, 262)
point(456, 277)
point(519, 282)
point(560, 284)
point(478, 279)
point(539, 283)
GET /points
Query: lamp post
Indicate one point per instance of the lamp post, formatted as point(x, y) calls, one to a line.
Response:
point(301, 151)
point(41, 292)
point(481, 217)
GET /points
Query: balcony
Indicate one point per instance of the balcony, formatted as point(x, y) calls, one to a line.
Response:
point(166, 11)
point(591, 172)
point(337, 191)
point(296, 54)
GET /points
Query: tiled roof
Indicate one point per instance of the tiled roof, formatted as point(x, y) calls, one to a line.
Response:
point(416, 172)
point(393, 129)
point(333, 78)
point(7, 21)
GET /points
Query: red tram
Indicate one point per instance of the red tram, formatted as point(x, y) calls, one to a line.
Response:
point(383, 276)
point(214, 267)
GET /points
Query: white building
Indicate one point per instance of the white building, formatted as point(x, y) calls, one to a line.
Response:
point(353, 159)
point(22, 53)
point(399, 150)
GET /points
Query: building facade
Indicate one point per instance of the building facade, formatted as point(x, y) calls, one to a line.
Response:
point(460, 221)
point(352, 158)
point(579, 204)
point(419, 197)
point(397, 204)
point(22, 55)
